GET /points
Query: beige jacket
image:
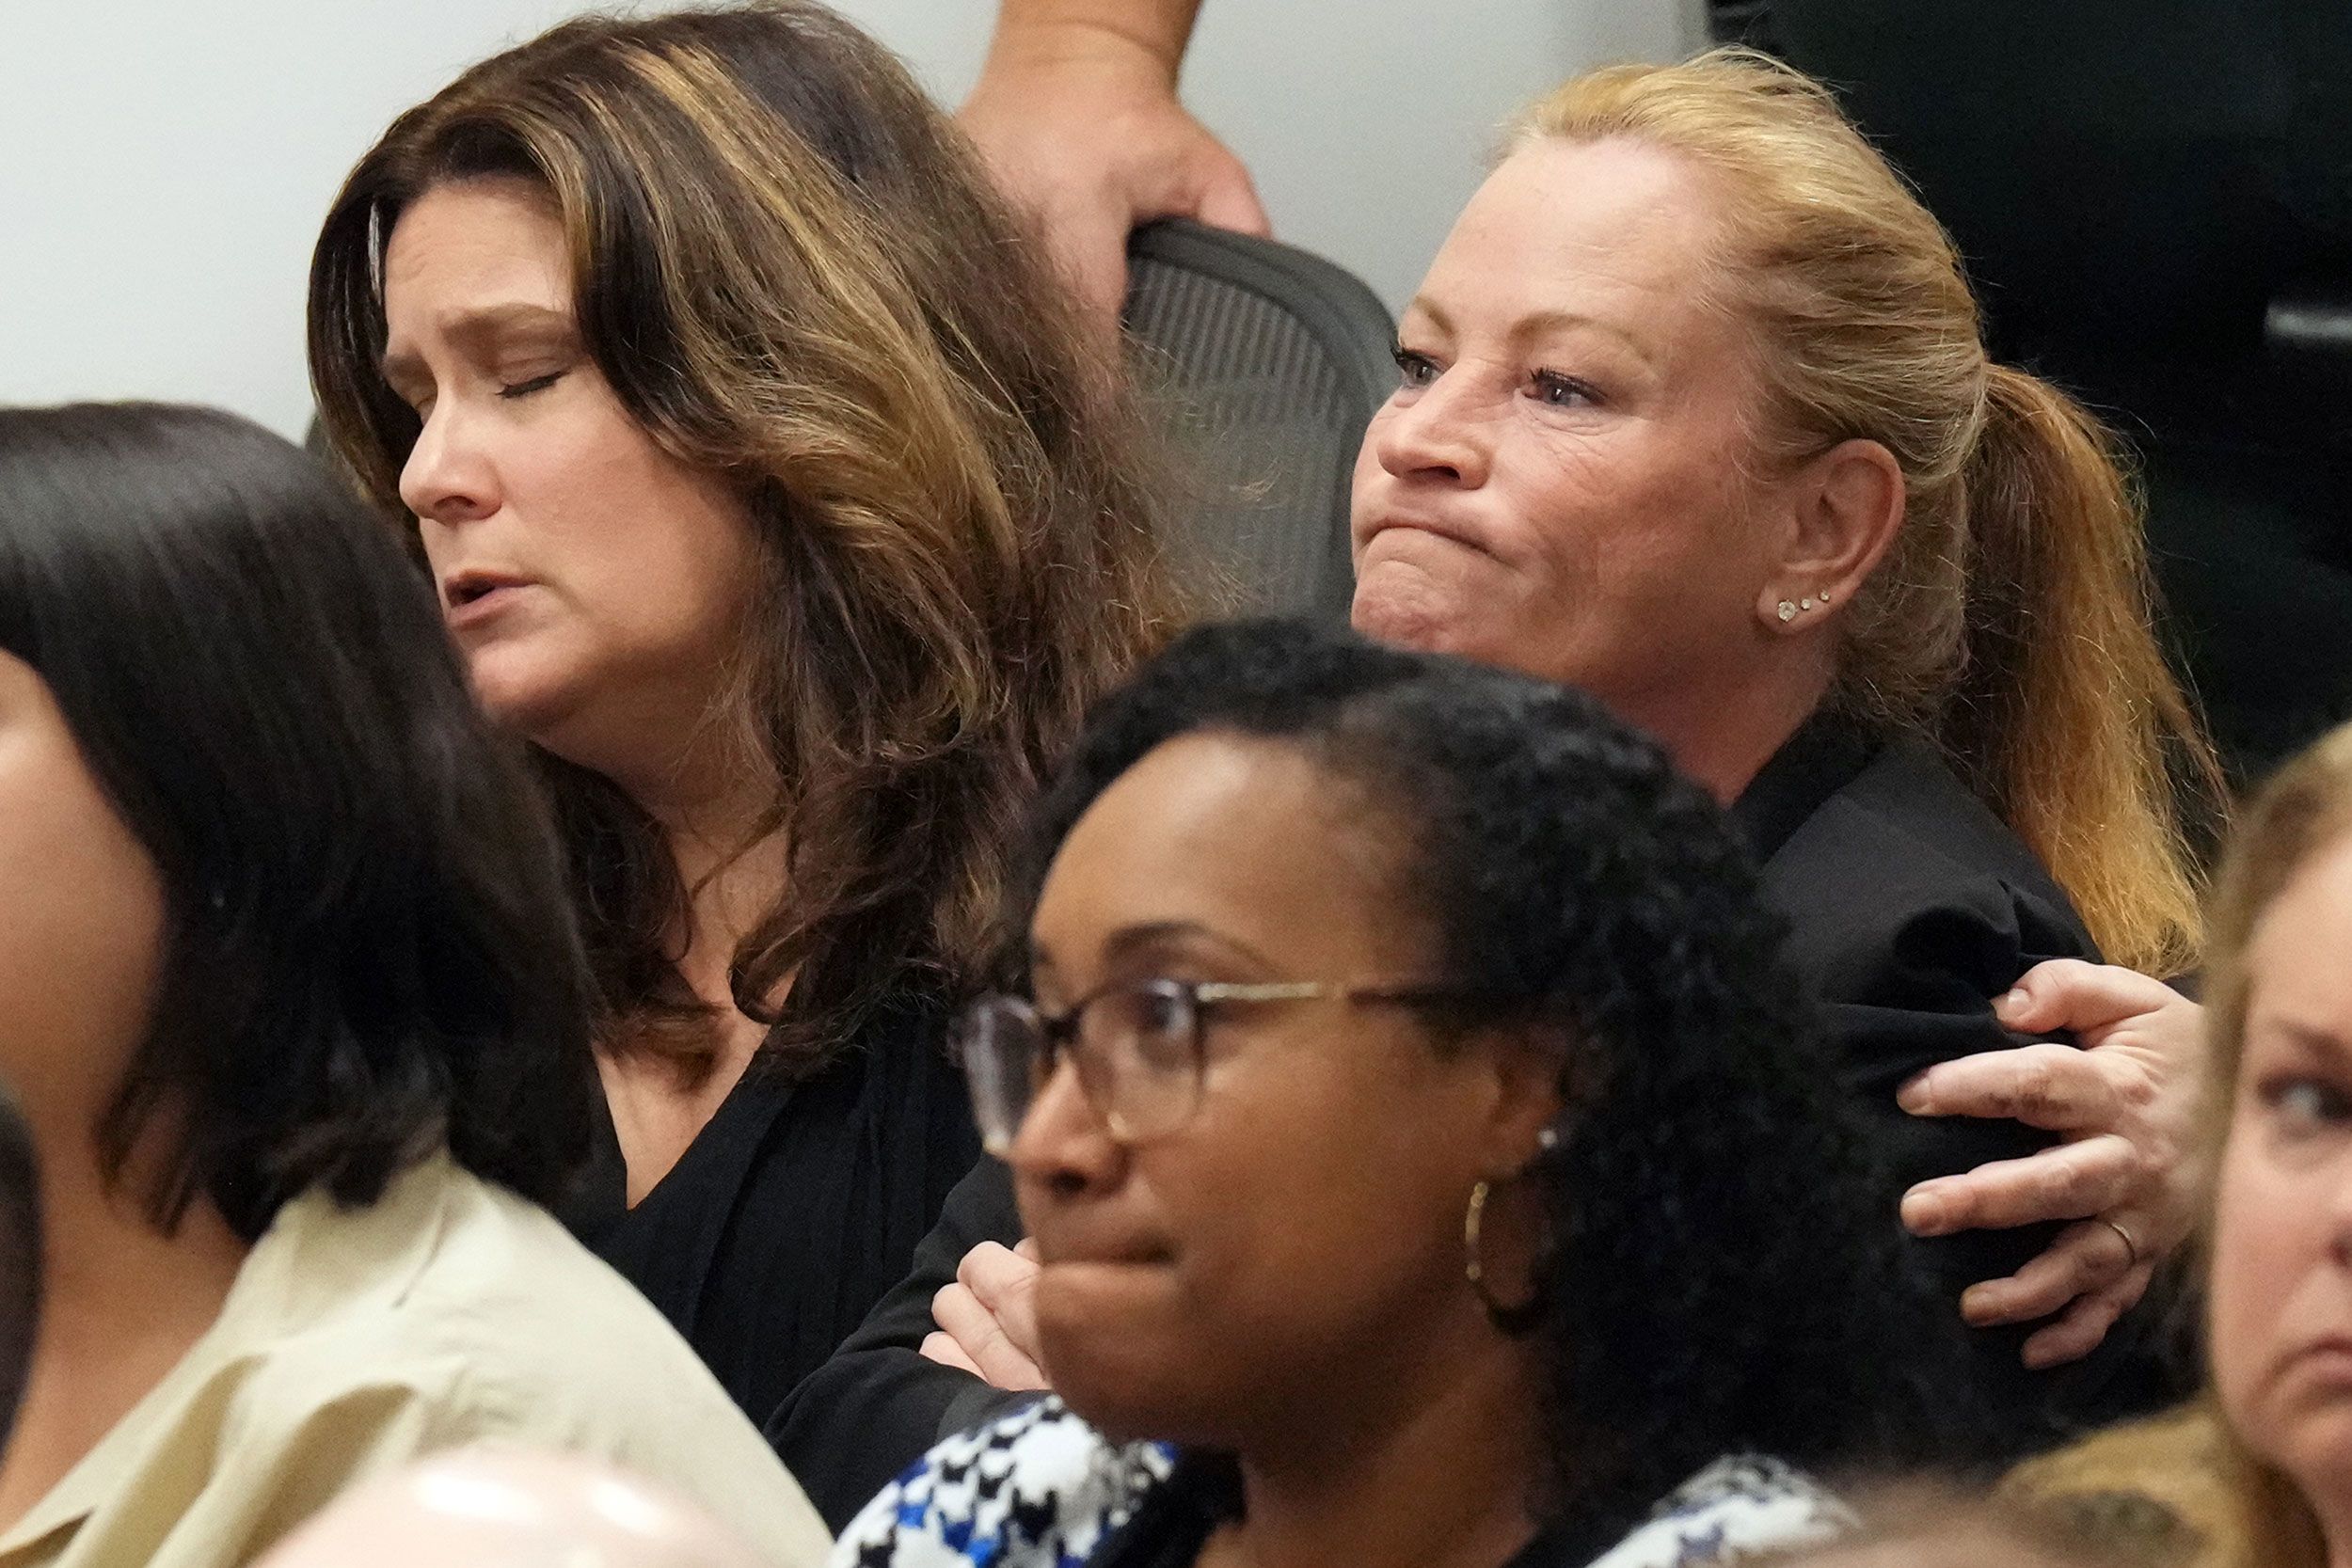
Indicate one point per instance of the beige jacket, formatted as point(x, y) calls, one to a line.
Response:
point(452, 1312)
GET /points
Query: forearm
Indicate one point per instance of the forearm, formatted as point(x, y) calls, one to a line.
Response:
point(874, 1408)
point(1040, 32)
point(980, 1208)
point(1076, 114)
point(866, 1416)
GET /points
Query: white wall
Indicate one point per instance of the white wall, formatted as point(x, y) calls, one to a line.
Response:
point(164, 163)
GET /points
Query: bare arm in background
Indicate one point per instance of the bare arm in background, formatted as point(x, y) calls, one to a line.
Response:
point(1077, 115)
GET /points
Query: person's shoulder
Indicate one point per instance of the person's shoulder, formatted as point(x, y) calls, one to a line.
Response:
point(1738, 1507)
point(1035, 1489)
point(1903, 866)
point(1911, 821)
point(467, 1314)
point(479, 1302)
point(890, 1079)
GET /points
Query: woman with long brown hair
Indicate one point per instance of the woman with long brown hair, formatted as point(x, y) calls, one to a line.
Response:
point(773, 494)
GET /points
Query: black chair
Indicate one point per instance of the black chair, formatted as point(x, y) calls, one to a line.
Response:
point(1265, 364)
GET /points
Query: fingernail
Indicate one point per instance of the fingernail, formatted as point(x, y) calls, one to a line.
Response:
point(1981, 1305)
point(1923, 1213)
point(1913, 1096)
point(2011, 1001)
point(2038, 1357)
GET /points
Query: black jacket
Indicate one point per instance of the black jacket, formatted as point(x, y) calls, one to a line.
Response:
point(1909, 907)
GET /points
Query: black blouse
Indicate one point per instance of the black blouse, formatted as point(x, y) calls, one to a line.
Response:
point(1174, 1522)
point(1909, 907)
point(796, 1207)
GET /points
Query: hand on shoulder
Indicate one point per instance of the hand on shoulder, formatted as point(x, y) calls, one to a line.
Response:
point(2123, 1098)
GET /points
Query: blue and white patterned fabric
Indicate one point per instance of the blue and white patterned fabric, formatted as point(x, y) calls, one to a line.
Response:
point(1734, 1507)
point(1037, 1489)
point(1041, 1489)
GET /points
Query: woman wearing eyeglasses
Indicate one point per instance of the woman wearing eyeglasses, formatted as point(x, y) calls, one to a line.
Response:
point(1395, 1038)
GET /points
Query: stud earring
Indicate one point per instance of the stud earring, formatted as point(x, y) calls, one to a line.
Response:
point(1787, 610)
point(1804, 604)
point(1824, 596)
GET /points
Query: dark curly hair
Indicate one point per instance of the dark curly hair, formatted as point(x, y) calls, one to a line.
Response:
point(1725, 1272)
point(366, 954)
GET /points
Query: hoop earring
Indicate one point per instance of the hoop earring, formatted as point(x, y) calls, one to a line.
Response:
point(1512, 1318)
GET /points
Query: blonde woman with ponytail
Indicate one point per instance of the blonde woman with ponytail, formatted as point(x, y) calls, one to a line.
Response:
point(1695, 413)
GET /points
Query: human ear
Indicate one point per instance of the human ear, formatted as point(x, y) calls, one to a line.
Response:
point(1843, 510)
point(1528, 1098)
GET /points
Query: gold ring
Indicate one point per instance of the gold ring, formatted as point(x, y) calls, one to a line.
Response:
point(2130, 1247)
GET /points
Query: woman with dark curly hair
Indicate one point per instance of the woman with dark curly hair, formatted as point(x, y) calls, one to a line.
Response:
point(772, 493)
point(1395, 1036)
point(298, 1023)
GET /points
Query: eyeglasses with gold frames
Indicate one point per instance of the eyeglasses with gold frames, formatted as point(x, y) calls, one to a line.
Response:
point(1137, 1047)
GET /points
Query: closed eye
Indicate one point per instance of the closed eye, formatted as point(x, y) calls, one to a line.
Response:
point(416, 396)
point(524, 389)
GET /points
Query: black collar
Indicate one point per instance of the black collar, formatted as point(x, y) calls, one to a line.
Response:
point(1176, 1519)
point(1825, 756)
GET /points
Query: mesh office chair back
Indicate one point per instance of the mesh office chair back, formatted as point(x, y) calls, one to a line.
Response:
point(1264, 363)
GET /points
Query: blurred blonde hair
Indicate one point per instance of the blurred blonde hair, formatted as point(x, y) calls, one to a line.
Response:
point(1931, 1525)
point(2248, 1514)
point(2305, 810)
point(2010, 621)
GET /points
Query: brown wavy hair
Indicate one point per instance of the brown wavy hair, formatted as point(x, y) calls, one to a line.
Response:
point(794, 273)
point(2010, 621)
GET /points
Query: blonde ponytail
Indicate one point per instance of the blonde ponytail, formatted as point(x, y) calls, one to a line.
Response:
point(2067, 718)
